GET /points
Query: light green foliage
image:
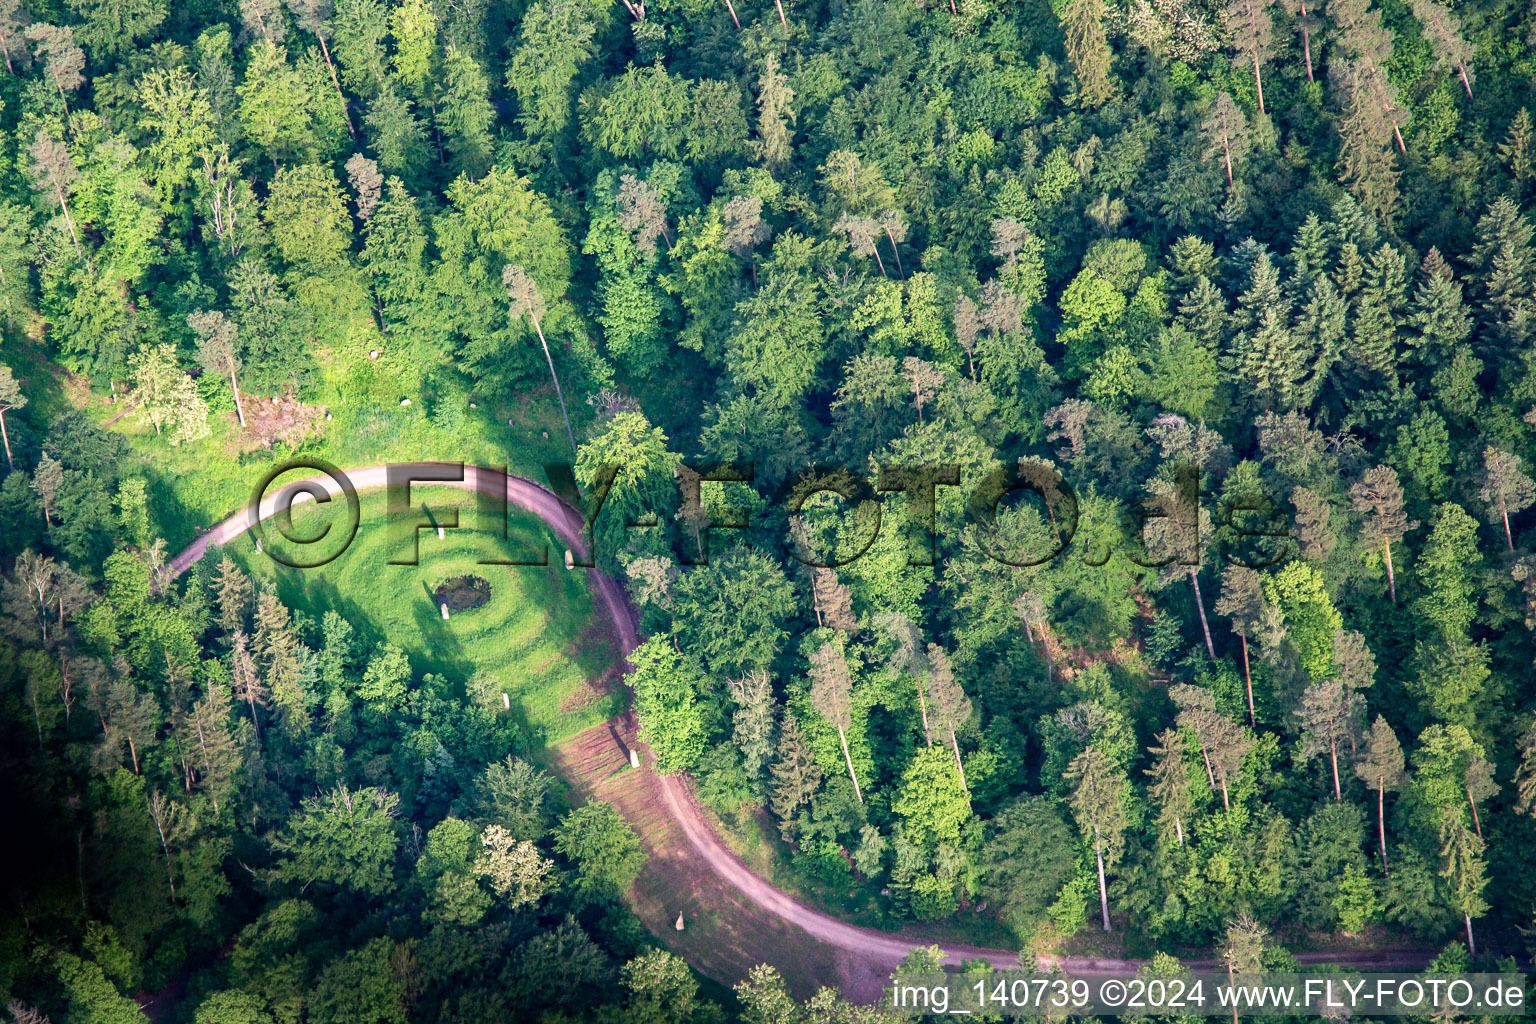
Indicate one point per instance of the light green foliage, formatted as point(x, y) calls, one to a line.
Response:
point(666, 697)
point(605, 851)
point(1310, 617)
point(932, 805)
point(554, 41)
point(449, 870)
point(1448, 569)
point(385, 681)
point(642, 112)
point(344, 838)
point(308, 218)
point(496, 221)
point(363, 985)
point(289, 110)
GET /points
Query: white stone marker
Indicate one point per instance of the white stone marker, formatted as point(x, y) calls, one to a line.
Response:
point(444, 606)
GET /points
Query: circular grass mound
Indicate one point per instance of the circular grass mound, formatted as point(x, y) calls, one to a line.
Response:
point(534, 637)
point(463, 593)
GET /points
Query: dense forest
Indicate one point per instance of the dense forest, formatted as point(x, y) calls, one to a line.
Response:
point(1246, 293)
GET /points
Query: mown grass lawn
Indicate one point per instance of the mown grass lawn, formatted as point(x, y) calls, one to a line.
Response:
point(536, 636)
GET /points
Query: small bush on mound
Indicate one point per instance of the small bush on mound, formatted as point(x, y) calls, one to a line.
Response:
point(463, 592)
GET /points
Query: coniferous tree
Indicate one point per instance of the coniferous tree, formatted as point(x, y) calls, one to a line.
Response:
point(1242, 600)
point(1087, 45)
point(1369, 45)
point(1439, 313)
point(11, 399)
point(1506, 267)
point(1252, 34)
point(54, 171)
point(1308, 22)
point(1518, 150)
point(775, 118)
point(1100, 793)
point(13, 41)
point(1366, 164)
point(464, 113)
point(1444, 30)
point(246, 677)
point(795, 774)
point(1226, 131)
point(753, 721)
point(950, 701)
point(1327, 713)
point(910, 658)
point(217, 350)
point(526, 300)
point(1504, 488)
point(1378, 498)
point(831, 696)
point(279, 654)
point(313, 16)
point(1170, 788)
point(1382, 769)
point(63, 61)
point(1525, 773)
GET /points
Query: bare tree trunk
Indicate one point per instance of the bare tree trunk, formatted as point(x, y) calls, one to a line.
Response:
point(1210, 776)
point(1471, 942)
point(1306, 42)
point(1478, 825)
point(70, 221)
point(5, 42)
point(1178, 829)
point(1391, 576)
point(569, 433)
point(922, 706)
point(1248, 679)
point(780, 5)
point(732, 8)
point(880, 262)
point(1226, 146)
point(1508, 540)
point(326, 52)
point(1465, 84)
point(849, 758)
point(1226, 804)
point(239, 409)
point(1098, 853)
point(1258, 82)
point(902, 270)
point(958, 766)
point(1194, 581)
point(160, 828)
point(7, 438)
point(133, 752)
point(1333, 756)
point(1381, 822)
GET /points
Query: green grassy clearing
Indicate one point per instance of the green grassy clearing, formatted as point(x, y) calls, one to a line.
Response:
point(195, 484)
point(536, 636)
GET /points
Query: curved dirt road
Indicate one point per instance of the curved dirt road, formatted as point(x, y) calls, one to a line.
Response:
point(864, 957)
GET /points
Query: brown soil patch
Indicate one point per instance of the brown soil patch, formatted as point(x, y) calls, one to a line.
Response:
point(725, 934)
point(268, 421)
point(462, 593)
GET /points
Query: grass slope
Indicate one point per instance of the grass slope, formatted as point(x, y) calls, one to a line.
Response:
point(536, 637)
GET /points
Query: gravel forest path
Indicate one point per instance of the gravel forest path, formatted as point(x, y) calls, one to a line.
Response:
point(734, 919)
